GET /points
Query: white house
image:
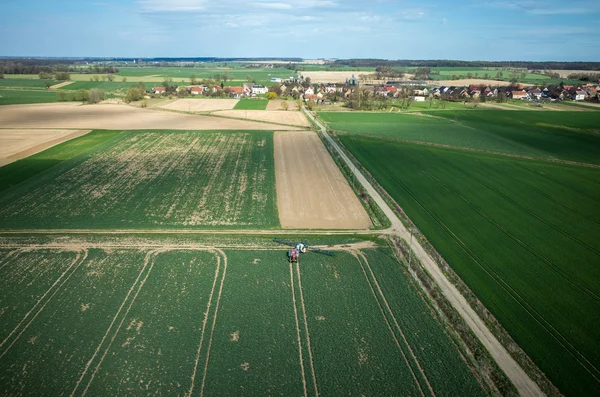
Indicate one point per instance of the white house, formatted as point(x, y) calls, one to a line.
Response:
point(309, 91)
point(579, 96)
point(259, 89)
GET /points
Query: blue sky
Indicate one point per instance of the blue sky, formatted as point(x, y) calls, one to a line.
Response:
point(391, 29)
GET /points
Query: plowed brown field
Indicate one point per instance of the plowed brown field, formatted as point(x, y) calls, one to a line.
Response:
point(201, 105)
point(311, 191)
point(115, 117)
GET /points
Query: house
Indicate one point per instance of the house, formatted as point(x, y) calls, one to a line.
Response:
point(519, 95)
point(247, 88)
point(309, 91)
point(235, 92)
point(283, 89)
point(276, 80)
point(311, 97)
point(536, 93)
point(158, 90)
point(197, 90)
point(578, 95)
point(259, 89)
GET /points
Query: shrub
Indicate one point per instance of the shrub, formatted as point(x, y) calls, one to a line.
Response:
point(96, 95)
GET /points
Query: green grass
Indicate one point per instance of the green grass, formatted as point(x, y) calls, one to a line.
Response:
point(252, 104)
point(232, 322)
point(541, 134)
point(524, 235)
point(14, 173)
point(155, 179)
point(107, 86)
point(26, 83)
point(14, 97)
point(236, 73)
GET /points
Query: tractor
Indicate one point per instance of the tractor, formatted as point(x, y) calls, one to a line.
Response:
point(298, 248)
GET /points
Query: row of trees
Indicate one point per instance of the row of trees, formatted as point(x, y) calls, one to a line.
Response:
point(61, 76)
point(94, 95)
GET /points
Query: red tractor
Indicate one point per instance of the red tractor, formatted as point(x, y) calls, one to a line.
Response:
point(293, 255)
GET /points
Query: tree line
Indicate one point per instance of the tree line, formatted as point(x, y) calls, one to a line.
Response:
point(373, 63)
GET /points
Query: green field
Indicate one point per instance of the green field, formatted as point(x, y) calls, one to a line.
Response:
point(541, 134)
point(236, 73)
point(21, 170)
point(524, 235)
point(26, 83)
point(15, 97)
point(108, 86)
point(152, 179)
point(252, 104)
point(206, 321)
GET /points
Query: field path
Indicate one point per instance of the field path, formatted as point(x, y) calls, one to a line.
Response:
point(524, 384)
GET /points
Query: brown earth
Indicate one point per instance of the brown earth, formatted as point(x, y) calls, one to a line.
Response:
point(116, 117)
point(60, 85)
point(311, 191)
point(17, 144)
point(270, 116)
point(201, 105)
point(278, 105)
point(565, 73)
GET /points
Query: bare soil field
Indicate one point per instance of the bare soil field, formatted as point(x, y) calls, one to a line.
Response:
point(332, 77)
point(278, 105)
point(60, 85)
point(115, 117)
point(565, 73)
point(270, 116)
point(17, 144)
point(201, 105)
point(311, 191)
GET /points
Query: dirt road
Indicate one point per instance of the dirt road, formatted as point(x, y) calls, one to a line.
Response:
point(116, 117)
point(511, 368)
point(269, 116)
point(311, 191)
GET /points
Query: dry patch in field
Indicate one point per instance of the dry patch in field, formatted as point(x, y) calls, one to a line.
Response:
point(332, 77)
point(311, 191)
point(279, 105)
point(60, 85)
point(270, 116)
point(115, 117)
point(17, 144)
point(565, 73)
point(201, 105)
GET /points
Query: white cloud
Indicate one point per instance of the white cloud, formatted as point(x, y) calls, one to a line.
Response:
point(274, 6)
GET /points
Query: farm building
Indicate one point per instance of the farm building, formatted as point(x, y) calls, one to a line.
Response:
point(158, 90)
point(578, 96)
point(235, 92)
point(259, 89)
point(519, 95)
point(196, 90)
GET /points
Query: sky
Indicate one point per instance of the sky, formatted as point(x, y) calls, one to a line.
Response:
point(494, 30)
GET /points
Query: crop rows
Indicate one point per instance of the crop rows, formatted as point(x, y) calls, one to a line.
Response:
point(204, 321)
point(522, 234)
point(153, 179)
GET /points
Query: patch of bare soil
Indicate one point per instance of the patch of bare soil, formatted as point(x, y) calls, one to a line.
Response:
point(60, 85)
point(115, 117)
point(279, 105)
point(270, 116)
point(201, 105)
point(565, 73)
point(311, 191)
point(16, 144)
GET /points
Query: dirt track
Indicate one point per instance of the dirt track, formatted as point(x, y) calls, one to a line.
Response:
point(269, 116)
point(311, 191)
point(18, 144)
point(116, 117)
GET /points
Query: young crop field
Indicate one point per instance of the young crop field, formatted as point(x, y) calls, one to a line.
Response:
point(209, 321)
point(153, 179)
point(558, 135)
point(251, 104)
point(14, 97)
point(108, 86)
point(21, 170)
point(523, 235)
point(236, 73)
point(26, 83)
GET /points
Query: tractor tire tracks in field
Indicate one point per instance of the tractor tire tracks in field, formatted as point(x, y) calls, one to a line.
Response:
point(39, 306)
point(298, 300)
